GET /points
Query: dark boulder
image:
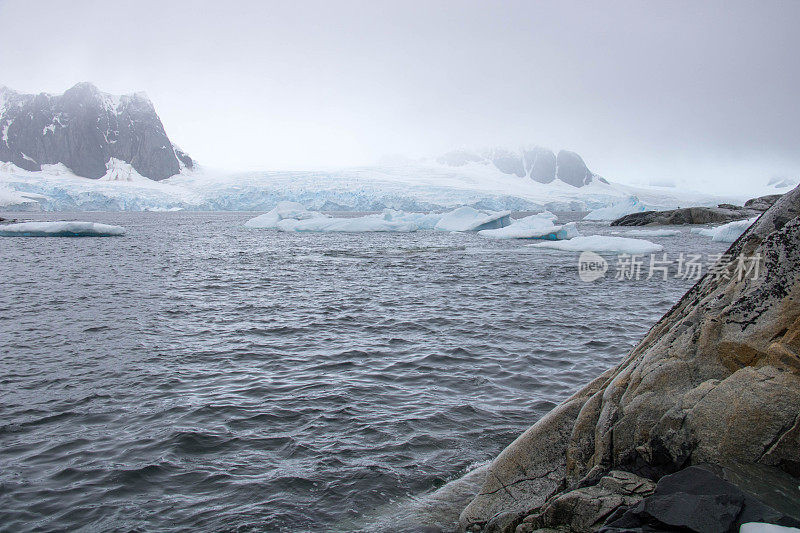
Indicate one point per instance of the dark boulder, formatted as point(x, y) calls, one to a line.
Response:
point(696, 499)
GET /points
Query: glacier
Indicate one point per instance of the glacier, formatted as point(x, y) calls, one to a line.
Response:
point(412, 187)
point(60, 229)
point(602, 243)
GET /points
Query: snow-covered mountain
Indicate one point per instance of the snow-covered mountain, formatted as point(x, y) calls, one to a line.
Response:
point(84, 129)
point(536, 162)
point(86, 150)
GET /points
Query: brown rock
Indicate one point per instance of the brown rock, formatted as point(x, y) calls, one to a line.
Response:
point(716, 380)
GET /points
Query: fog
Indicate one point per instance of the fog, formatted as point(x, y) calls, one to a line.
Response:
point(698, 93)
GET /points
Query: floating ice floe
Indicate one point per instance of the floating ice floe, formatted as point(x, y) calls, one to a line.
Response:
point(363, 224)
point(654, 232)
point(727, 232)
point(762, 527)
point(602, 243)
point(470, 219)
point(533, 227)
point(60, 229)
point(283, 211)
point(291, 216)
point(627, 207)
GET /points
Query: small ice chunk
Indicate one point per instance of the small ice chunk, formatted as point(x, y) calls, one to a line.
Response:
point(603, 243)
point(626, 207)
point(60, 229)
point(654, 232)
point(470, 219)
point(727, 232)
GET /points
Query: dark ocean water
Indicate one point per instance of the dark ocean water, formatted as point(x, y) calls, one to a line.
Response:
point(197, 375)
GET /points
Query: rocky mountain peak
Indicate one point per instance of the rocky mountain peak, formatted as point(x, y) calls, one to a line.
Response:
point(535, 162)
point(84, 128)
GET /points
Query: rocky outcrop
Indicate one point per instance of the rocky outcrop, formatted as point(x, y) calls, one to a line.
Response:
point(699, 498)
point(716, 381)
point(762, 203)
point(85, 128)
point(687, 215)
point(721, 214)
point(537, 163)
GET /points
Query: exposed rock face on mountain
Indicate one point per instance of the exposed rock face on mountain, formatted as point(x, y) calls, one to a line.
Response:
point(85, 128)
point(715, 382)
point(506, 161)
point(539, 164)
point(572, 169)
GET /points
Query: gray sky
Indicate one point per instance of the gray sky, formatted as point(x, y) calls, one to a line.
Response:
point(699, 92)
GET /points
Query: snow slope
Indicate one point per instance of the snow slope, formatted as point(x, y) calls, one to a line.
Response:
point(420, 187)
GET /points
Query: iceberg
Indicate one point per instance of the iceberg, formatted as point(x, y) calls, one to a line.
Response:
point(470, 219)
point(283, 211)
point(292, 216)
point(727, 232)
point(603, 243)
point(421, 220)
point(654, 232)
point(533, 227)
point(628, 206)
point(367, 223)
point(60, 229)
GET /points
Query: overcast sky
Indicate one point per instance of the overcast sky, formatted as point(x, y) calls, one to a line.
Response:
point(698, 92)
